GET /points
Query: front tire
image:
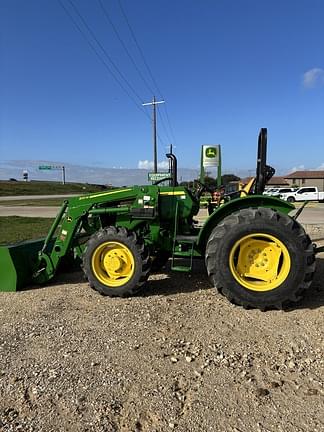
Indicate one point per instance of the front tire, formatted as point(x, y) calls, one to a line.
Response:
point(115, 262)
point(260, 258)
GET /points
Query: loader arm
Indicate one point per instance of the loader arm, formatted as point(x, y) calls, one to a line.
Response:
point(36, 261)
point(77, 219)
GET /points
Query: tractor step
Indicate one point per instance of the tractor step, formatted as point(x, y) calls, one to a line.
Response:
point(182, 254)
point(186, 239)
point(183, 247)
point(184, 269)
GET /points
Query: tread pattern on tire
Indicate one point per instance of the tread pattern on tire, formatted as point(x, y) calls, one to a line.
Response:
point(251, 216)
point(129, 238)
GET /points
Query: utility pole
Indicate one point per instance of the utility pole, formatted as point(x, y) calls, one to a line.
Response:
point(63, 174)
point(154, 103)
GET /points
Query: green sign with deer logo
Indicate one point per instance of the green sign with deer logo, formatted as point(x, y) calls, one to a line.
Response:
point(211, 155)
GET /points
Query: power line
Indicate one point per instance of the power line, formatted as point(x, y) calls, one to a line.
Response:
point(102, 60)
point(145, 62)
point(91, 45)
point(169, 123)
point(104, 50)
point(108, 18)
point(165, 114)
point(138, 46)
point(106, 54)
point(106, 14)
point(163, 124)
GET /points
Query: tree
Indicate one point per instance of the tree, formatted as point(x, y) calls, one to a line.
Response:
point(227, 178)
point(187, 184)
point(211, 182)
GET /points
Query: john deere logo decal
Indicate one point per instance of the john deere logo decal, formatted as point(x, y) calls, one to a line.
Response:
point(211, 152)
point(210, 155)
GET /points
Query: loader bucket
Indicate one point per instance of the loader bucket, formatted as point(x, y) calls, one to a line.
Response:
point(18, 263)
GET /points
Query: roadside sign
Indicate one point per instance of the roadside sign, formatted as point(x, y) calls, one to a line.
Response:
point(54, 167)
point(210, 155)
point(45, 167)
point(158, 176)
point(50, 167)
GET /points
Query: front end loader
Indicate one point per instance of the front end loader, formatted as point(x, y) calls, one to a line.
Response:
point(255, 253)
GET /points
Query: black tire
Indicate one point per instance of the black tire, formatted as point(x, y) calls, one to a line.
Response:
point(223, 258)
point(291, 199)
point(97, 252)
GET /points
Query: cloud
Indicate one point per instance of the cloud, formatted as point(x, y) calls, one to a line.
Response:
point(297, 168)
point(313, 78)
point(302, 168)
point(148, 165)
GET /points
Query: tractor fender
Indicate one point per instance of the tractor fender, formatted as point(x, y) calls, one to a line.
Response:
point(233, 206)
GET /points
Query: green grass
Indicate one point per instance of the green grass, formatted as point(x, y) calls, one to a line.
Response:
point(8, 188)
point(16, 228)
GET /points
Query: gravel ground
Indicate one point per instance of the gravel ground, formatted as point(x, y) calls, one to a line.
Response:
point(177, 357)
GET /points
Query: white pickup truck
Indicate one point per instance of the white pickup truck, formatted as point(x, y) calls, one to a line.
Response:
point(303, 194)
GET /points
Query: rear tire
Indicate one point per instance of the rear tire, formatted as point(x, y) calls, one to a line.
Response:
point(115, 262)
point(291, 199)
point(260, 258)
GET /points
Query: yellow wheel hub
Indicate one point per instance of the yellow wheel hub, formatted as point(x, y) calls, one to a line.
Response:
point(113, 264)
point(259, 262)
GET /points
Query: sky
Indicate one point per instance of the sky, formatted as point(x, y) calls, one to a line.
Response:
point(225, 68)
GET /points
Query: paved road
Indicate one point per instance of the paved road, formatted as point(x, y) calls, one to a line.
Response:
point(29, 211)
point(33, 197)
point(313, 215)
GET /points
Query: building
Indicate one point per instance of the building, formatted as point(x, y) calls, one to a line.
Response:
point(277, 181)
point(306, 178)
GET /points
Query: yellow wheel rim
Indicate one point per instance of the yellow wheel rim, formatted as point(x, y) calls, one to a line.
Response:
point(113, 264)
point(259, 262)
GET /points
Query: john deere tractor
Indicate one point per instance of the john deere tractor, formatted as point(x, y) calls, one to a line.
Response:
point(255, 253)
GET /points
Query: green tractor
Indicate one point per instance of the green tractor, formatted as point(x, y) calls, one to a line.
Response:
point(255, 253)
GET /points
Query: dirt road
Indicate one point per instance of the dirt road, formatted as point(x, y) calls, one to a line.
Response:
point(177, 357)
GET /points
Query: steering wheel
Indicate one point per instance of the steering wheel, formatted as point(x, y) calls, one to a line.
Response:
point(161, 180)
point(201, 189)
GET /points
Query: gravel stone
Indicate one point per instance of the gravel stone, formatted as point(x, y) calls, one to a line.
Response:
point(178, 356)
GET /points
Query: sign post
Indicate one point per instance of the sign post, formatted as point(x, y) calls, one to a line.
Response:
point(156, 176)
point(211, 157)
point(54, 167)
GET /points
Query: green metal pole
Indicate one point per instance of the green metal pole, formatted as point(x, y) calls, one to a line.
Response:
point(202, 170)
point(54, 226)
point(109, 210)
point(219, 168)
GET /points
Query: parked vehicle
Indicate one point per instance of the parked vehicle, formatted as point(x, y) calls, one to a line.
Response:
point(278, 191)
point(303, 194)
point(270, 191)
